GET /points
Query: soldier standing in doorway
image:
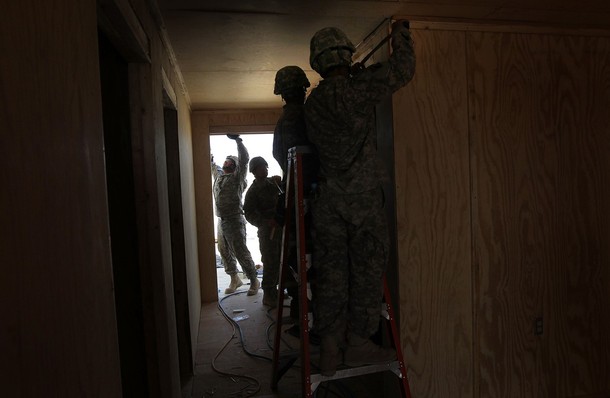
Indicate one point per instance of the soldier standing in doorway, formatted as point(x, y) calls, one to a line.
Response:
point(228, 189)
point(260, 209)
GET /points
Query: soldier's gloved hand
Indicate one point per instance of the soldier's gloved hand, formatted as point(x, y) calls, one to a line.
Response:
point(357, 68)
point(401, 27)
point(233, 136)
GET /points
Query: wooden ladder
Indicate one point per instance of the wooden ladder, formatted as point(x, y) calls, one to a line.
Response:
point(281, 363)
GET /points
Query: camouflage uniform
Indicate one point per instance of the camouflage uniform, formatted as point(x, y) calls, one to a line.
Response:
point(289, 132)
point(351, 239)
point(228, 190)
point(259, 207)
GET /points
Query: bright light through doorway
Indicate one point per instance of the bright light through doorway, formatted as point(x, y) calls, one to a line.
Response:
point(257, 145)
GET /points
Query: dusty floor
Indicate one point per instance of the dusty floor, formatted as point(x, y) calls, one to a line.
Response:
point(236, 362)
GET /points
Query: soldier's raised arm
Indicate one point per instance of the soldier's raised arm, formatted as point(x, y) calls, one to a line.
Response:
point(216, 169)
point(243, 156)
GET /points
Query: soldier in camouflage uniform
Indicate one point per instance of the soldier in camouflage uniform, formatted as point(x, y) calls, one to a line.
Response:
point(351, 239)
point(259, 208)
point(291, 84)
point(290, 131)
point(228, 189)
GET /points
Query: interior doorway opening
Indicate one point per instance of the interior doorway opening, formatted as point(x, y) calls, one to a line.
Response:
point(120, 188)
point(257, 144)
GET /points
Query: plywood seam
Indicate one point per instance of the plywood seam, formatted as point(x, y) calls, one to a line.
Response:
point(500, 26)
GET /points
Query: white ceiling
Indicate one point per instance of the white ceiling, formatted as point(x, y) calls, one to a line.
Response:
point(229, 51)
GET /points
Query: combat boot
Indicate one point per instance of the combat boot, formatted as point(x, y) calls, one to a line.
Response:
point(254, 286)
point(329, 354)
point(361, 351)
point(235, 283)
point(270, 296)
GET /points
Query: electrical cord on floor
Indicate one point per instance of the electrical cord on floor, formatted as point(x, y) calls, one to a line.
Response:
point(253, 386)
point(271, 325)
point(236, 326)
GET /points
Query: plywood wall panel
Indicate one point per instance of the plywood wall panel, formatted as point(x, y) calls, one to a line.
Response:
point(534, 154)
point(433, 218)
point(581, 344)
point(502, 144)
point(514, 210)
point(58, 325)
point(190, 215)
point(205, 212)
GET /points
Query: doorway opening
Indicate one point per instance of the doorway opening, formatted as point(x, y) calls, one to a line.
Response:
point(179, 267)
point(126, 267)
point(257, 144)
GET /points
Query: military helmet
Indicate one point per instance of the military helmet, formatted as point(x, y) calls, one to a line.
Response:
point(255, 162)
point(289, 77)
point(330, 47)
point(233, 158)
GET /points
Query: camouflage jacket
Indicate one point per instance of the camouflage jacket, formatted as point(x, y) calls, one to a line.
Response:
point(260, 203)
point(228, 188)
point(289, 132)
point(340, 116)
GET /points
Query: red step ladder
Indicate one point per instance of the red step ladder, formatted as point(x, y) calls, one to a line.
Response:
point(281, 363)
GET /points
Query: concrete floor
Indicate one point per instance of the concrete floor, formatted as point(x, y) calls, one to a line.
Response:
point(235, 361)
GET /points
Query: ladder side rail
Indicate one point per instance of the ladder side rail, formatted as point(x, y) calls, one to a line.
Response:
point(289, 193)
point(404, 383)
point(297, 154)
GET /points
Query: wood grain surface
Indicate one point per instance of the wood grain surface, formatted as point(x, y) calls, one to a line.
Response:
point(540, 144)
point(432, 201)
point(503, 206)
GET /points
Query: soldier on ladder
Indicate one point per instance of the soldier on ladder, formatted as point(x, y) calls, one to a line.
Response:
point(291, 84)
point(280, 363)
point(350, 231)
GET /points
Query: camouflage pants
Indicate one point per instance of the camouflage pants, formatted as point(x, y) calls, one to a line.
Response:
point(232, 246)
point(351, 245)
point(270, 253)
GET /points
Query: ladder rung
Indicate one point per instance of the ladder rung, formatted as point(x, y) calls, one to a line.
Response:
point(393, 366)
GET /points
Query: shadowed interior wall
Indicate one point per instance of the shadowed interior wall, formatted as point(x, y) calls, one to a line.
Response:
point(58, 334)
point(190, 220)
point(540, 140)
point(59, 330)
point(503, 203)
